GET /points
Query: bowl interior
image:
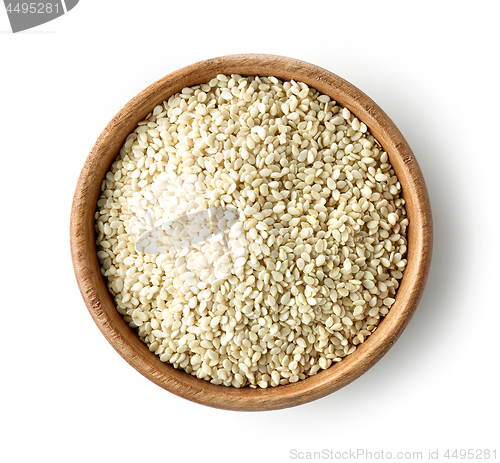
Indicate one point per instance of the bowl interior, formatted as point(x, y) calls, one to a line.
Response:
point(126, 341)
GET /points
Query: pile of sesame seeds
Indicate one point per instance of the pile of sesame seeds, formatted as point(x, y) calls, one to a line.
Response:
point(310, 238)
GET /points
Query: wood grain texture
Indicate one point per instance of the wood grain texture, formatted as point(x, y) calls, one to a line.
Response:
point(126, 341)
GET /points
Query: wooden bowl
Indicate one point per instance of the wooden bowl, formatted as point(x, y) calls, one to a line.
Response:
point(126, 341)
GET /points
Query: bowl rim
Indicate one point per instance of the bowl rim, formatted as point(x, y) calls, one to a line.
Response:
point(125, 340)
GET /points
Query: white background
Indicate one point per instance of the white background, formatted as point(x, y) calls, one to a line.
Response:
point(67, 396)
